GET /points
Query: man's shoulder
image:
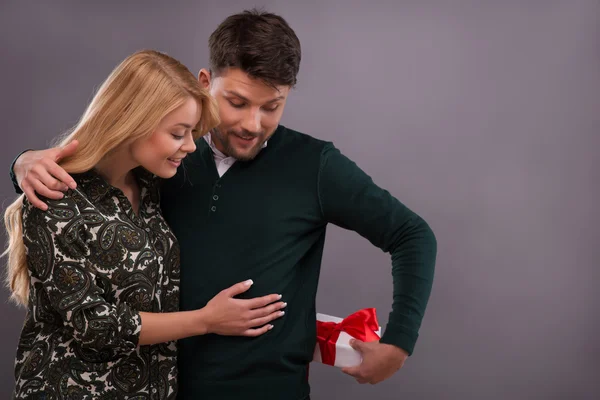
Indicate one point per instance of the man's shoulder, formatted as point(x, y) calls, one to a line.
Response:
point(301, 140)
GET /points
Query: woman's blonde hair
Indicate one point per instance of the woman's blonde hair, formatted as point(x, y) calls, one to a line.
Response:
point(129, 105)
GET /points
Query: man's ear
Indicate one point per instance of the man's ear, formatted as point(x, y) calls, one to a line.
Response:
point(204, 78)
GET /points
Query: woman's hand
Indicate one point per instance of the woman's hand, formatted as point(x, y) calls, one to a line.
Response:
point(226, 315)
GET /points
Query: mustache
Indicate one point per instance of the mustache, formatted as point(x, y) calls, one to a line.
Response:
point(245, 133)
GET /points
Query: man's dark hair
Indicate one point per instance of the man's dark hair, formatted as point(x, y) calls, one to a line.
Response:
point(259, 43)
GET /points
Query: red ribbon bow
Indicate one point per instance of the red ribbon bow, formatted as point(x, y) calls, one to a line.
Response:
point(361, 325)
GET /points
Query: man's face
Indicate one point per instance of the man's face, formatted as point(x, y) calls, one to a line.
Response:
point(250, 111)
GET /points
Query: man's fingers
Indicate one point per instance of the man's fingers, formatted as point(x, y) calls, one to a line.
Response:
point(61, 175)
point(357, 345)
point(41, 189)
point(353, 372)
point(376, 381)
point(238, 288)
point(31, 196)
point(356, 373)
point(51, 182)
point(67, 150)
point(257, 331)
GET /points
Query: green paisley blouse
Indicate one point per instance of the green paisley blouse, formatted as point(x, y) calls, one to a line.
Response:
point(94, 265)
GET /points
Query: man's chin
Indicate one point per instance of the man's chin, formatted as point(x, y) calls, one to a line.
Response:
point(245, 154)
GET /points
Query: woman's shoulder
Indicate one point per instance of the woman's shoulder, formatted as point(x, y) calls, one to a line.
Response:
point(65, 208)
point(60, 214)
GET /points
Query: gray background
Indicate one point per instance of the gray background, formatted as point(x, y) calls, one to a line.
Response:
point(483, 117)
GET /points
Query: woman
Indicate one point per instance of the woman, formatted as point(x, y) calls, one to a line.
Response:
point(99, 269)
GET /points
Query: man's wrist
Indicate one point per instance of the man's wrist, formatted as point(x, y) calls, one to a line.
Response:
point(397, 335)
point(399, 350)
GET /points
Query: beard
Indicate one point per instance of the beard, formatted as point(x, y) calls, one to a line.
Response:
point(231, 151)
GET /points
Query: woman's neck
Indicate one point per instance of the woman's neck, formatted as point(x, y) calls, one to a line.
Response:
point(116, 168)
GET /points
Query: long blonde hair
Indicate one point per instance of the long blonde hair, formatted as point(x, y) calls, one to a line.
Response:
point(129, 105)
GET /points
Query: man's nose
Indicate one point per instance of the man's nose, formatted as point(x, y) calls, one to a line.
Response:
point(252, 121)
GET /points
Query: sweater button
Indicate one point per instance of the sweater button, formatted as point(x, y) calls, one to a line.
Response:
point(213, 208)
point(215, 197)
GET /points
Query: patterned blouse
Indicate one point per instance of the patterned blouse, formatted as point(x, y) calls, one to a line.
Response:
point(94, 265)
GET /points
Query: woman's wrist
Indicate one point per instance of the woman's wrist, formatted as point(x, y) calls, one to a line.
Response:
point(201, 321)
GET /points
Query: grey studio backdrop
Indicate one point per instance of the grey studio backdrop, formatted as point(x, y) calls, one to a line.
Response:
point(481, 116)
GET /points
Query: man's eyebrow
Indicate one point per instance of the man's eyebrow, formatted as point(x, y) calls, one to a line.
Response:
point(236, 94)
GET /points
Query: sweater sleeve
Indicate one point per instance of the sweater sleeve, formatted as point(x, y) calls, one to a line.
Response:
point(13, 177)
point(350, 199)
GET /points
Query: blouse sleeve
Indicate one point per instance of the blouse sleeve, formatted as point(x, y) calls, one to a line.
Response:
point(58, 257)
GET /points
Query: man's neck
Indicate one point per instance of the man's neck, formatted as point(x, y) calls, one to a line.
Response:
point(214, 139)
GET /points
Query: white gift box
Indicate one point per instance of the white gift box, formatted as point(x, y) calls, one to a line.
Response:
point(345, 355)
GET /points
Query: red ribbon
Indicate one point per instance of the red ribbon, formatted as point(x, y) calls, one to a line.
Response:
point(361, 325)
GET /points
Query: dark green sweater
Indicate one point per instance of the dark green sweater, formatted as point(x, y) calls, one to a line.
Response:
point(265, 220)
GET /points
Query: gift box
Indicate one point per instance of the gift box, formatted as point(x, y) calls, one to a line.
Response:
point(334, 334)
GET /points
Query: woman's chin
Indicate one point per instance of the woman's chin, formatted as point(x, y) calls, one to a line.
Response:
point(164, 173)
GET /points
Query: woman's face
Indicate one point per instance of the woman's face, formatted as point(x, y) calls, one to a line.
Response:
point(163, 151)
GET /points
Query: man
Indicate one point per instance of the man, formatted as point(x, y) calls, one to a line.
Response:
point(253, 202)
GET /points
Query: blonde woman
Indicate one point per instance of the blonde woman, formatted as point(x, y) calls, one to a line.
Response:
point(98, 270)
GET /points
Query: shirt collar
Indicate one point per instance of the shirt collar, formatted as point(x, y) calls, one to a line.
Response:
point(96, 187)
